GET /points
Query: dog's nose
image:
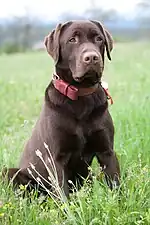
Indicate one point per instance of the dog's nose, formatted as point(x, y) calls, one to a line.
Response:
point(91, 57)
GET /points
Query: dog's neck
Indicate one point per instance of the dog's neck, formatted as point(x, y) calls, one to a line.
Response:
point(65, 74)
point(71, 91)
point(65, 84)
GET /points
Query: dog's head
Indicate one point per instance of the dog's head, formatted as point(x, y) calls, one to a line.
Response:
point(77, 48)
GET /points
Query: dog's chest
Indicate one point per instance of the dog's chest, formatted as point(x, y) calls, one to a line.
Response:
point(82, 134)
point(82, 111)
point(84, 107)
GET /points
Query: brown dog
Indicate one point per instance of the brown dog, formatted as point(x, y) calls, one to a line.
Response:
point(74, 122)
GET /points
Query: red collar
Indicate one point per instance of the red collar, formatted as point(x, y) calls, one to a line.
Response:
point(108, 95)
point(73, 92)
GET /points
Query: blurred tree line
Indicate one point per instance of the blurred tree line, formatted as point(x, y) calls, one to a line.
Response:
point(28, 32)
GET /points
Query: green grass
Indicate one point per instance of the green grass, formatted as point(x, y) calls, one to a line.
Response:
point(23, 79)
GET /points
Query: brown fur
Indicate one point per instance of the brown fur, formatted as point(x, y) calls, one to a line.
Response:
point(75, 131)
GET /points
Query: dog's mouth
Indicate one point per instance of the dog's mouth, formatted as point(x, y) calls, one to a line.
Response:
point(90, 77)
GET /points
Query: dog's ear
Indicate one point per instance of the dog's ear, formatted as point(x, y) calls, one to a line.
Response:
point(107, 36)
point(52, 43)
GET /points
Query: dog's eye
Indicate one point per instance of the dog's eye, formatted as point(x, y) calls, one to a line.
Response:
point(98, 39)
point(73, 39)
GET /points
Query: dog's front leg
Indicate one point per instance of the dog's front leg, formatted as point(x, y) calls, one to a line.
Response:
point(110, 167)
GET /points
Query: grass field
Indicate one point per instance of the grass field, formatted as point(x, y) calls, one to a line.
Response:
point(23, 79)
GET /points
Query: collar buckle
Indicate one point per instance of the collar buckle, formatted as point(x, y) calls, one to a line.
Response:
point(55, 77)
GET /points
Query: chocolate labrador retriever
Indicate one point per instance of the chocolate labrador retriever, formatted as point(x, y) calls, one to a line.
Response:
point(75, 122)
